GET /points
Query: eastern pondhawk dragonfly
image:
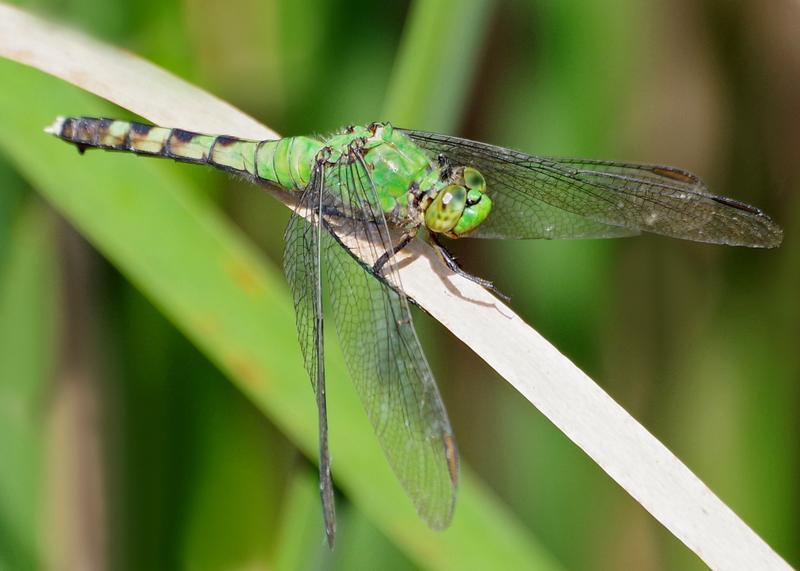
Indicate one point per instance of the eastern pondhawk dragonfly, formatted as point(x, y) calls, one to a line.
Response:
point(363, 193)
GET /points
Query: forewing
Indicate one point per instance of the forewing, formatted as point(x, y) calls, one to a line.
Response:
point(302, 266)
point(542, 197)
point(384, 356)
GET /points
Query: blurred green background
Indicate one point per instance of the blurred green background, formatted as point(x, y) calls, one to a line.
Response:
point(124, 447)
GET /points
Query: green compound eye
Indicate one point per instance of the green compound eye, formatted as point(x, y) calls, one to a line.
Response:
point(473, 215)
point(446, 209)
point(474, 179)
point(473, 196)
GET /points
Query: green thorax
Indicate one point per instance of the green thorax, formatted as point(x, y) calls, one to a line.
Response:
point(393, 162)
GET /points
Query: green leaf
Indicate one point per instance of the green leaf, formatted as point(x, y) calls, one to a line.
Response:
point(301, 525)
point(435, 62)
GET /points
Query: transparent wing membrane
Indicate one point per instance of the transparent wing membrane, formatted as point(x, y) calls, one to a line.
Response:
point(302, 265)
point(395, 384)
point(383, 354)
point(542, 197)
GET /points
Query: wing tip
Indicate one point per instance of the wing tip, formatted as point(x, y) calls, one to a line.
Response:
point(773, 238)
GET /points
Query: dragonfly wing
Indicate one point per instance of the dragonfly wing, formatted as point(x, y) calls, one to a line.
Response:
point(301, 264)
point(541, 197)
point(385, 358)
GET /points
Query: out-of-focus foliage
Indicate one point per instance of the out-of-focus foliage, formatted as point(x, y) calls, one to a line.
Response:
point(180, 470)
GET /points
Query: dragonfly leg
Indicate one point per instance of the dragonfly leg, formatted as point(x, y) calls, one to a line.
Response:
point(387, 255)
point(452, 264)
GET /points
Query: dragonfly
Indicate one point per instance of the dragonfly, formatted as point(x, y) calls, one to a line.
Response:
point(364, 192)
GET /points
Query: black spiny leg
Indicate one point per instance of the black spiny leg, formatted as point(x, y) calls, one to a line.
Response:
point(387, 255)
point(451, 263)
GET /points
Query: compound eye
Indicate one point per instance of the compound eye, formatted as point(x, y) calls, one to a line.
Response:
point(473, 196)
point(474, 180)
point(446, 209)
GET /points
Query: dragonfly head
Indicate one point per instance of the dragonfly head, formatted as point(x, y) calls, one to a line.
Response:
point(461, 205)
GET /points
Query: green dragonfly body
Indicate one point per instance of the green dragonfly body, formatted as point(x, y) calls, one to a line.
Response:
point(363, 193)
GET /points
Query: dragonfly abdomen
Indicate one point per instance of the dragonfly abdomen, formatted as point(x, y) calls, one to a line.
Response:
point(285, 162)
